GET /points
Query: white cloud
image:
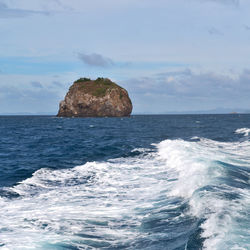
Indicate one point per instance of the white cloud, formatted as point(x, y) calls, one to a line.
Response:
point(173, 91)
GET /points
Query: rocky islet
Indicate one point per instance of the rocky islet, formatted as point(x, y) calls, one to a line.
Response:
point(95, 98)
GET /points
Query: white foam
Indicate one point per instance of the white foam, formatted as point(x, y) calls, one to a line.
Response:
point(244, 131)
point(54, 206)
point(97, 197)
point(198, 165)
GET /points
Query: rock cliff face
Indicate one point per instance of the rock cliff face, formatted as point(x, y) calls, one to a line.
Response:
point(99, 98)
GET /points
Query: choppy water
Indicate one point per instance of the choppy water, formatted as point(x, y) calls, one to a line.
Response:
point(145, 182)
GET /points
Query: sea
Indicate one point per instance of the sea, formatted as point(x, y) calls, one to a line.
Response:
point(141, 182)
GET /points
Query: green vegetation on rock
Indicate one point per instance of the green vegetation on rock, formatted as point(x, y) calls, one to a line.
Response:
point(83, 79)
point(96, 87)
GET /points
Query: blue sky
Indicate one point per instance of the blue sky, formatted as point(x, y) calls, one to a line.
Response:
point(171, 55)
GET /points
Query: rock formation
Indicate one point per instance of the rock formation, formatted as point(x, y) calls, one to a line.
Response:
point(95, 98)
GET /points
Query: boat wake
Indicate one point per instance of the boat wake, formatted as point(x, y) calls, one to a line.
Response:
point(184, 194)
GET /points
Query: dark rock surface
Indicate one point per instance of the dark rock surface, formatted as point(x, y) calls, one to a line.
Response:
point(98, 98)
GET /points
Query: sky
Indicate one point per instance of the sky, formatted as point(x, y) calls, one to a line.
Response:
point(172, 56)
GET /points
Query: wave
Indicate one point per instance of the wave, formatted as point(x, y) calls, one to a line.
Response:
point(244, 131)
point(183, 194)
point(214, 178)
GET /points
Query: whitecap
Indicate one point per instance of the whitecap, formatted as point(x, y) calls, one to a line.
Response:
point(244, 131)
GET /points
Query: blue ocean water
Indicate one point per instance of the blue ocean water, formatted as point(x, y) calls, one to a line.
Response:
point(144, 182)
